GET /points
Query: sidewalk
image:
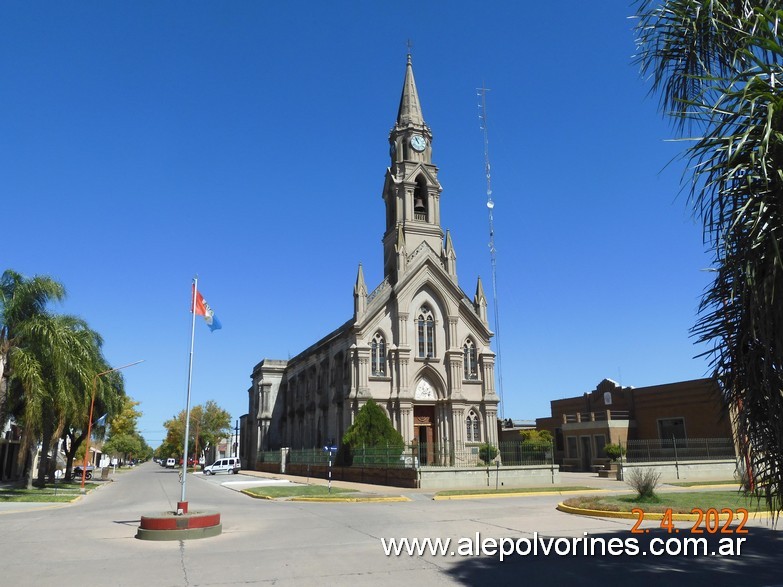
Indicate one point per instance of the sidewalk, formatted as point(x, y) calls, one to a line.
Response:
point(591, 480)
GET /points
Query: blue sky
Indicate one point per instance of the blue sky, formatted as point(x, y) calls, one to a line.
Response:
point(142, 143)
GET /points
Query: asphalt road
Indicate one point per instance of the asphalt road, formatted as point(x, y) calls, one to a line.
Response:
point(92, 542)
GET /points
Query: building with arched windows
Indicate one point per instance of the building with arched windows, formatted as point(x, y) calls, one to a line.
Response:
point(416, 343)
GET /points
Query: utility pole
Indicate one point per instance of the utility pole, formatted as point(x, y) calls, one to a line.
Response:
point(236, 439)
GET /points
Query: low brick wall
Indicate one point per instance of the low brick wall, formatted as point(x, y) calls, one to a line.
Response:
point(482, 478)
point(373, 475)
point(722, 470)
point(428, 477)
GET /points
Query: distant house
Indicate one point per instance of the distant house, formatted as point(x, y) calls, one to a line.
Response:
point(509, 430)
point(612, 414)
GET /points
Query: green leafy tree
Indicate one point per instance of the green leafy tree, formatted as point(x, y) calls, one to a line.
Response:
point(124, 439)
point(208, 424)
point(49, 361)
point(124, 445)
point(536, 437)
point(372, 427)
point(125, 420)
point(109, 397)
point(716, 65)
point(487, 452)
point(535, 445)
point(371, 431)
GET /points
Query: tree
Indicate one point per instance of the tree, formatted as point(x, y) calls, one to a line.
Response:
point(47, 364)
point(536, 437)
point(208, 424)
point(372, 427)
point(21, 300)
point(109, 397)
point(371, 430)
point(124, 445)
point(716, 65)
point(124, 421)
point(124, 439)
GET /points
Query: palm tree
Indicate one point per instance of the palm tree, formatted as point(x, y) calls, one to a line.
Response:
point(717, 66)
point(50, 361)
point(21, 299)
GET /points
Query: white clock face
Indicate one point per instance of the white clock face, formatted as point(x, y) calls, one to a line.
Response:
point(418, 142)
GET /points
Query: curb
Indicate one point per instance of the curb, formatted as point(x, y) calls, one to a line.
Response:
point(517, 494)
point(170, 526)
point(567, 509)
point(255, 496)
point(329, 499)
point(398, 498)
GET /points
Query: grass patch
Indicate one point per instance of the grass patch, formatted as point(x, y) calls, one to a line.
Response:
point(296, 491)
point(59, 493)
point(680, 503)
point(547, 489)
point(700, 483)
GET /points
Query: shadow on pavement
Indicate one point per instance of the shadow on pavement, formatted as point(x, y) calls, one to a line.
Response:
point(758, 564)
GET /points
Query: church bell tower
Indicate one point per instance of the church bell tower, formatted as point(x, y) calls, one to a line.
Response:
point(411, 190)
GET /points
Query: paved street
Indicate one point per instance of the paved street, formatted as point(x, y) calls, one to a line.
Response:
point(300, 544)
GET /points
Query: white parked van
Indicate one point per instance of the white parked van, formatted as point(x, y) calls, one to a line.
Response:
point(171, 463)
point(228, 465)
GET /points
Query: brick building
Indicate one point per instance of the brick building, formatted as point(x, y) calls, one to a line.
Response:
point(612, 414)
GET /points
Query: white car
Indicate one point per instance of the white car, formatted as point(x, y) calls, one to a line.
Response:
point(228, 465)
point(171, 463)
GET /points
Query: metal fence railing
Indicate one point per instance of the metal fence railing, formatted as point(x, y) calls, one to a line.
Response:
point(269, 456)
point(679, 449)
point(514, 453)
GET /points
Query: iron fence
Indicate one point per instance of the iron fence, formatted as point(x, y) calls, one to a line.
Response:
point(679, 449)
point(514, 453)
point(269, 456)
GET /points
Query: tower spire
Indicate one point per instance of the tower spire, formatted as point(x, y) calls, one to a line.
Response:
point(359, 294)
point(410, 108)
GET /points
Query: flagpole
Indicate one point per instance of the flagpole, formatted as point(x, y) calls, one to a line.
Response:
point(182, 507)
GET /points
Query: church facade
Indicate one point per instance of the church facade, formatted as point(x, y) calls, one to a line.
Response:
point(416, 343)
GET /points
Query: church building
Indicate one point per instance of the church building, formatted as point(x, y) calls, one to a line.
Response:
point(416, 343)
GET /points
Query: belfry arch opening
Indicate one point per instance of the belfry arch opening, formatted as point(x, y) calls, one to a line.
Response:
point(420, 199)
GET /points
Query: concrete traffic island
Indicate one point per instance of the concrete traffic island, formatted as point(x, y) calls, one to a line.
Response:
point(179, 526)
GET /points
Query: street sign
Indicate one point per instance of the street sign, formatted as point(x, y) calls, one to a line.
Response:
point(330, 448)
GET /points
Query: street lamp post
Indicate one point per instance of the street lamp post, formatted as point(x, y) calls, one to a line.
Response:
point(92, 407)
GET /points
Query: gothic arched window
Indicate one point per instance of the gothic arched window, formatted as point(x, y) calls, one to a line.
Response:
point(472, 427)
point(470, 360)
point(378, 355)
point(426, 332)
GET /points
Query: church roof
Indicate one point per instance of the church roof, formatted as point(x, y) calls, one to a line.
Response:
point(410, 108)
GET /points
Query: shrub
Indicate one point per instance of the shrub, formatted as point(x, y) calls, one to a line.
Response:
point(372, 427)
point(643, 481)
point(487, 452)
point(614, 451)
point(536, 436)
point(371, 439)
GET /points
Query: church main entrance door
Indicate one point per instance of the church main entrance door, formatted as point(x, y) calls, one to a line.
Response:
point(424, 429)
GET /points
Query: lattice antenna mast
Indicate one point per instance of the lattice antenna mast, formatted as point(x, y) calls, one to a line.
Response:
point(482, 93)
